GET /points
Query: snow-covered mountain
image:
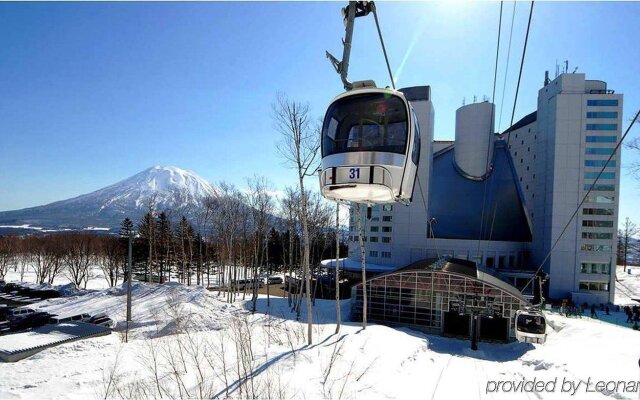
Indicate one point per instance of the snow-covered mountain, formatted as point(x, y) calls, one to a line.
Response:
point(170, 187)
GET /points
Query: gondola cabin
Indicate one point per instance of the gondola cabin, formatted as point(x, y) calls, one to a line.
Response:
point(531, 327)
point(370, 147)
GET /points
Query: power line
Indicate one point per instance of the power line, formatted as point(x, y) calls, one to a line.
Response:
point(613, 153)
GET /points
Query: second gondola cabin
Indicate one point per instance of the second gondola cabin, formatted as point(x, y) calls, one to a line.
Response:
point(370, 147)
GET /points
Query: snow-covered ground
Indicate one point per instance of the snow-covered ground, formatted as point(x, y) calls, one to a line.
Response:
point(627, 285)
point(379, 362)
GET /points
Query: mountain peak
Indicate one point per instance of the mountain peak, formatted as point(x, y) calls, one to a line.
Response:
point(171, 188)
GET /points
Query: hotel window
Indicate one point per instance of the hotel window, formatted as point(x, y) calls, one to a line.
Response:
point(596, 247)
point(374, 229)
point(603, 103)
point(602, 114)
point(386, 254)
point(602, 127)
point(595, 268)
point(386, 218)
point(602, 139)
point(597, 224)
point(594, 286)
point(386, 229)
point(373, 239)
point(599, 163)
point(605, 175)
point(599, 150)
point(597, 235)
point(599, 198)
point(602, 188)
point(387, 207)
point(386, 239)
point(373, 253)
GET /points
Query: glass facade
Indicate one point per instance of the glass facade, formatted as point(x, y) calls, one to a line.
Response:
point(432, 299)
point(594, 286)
point(602, 127)
point(597, 235)
point(595, 268)
point(599, 150)
point(604, 175)
point(597, 224)
point(603, 102)
point(600, 198)
point(597, 211)
point(602, 139)
point(596, 247)
point(599, 163)
point(603, 188)
point(602, 114)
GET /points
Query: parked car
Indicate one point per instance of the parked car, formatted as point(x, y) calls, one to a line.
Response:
point(32, 320)
point(275, 280)
point(243, 284)
point(101, 319)
point(19, 313)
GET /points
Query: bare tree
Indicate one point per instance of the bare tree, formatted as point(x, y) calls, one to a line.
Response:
point(8, 254)
point(360, 228)
point(299, 148)
point(288, 209)
point(78, 256)
point(261, 207)
point(337, 276)
point(112, 253)
point(226, 218)
point(625, 240)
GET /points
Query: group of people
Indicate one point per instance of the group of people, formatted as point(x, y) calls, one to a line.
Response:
point(633, 315)
point(632, 312)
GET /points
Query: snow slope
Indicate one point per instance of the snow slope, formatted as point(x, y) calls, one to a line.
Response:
point(172, 187)
point(379, 362)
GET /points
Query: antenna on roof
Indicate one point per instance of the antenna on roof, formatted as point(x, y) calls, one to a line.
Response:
point(574, 70)
point(566, 66)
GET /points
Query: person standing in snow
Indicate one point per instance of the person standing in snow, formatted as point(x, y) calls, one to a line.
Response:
point(606, 310)
point(593, 311)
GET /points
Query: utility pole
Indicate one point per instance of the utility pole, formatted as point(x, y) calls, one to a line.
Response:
point(338, 316)
point(474, 331)
point(126, 336)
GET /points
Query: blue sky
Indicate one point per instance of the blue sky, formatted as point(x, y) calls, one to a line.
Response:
point(95, 92)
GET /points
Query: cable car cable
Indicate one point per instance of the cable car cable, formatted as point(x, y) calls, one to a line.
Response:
point(615, 150)
point(384, 50)
point(524, 52)
point(506, 70)
point(515, 102)
point(493, 95)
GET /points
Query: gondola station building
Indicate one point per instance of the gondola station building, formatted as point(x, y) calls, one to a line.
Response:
point(499, 201)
